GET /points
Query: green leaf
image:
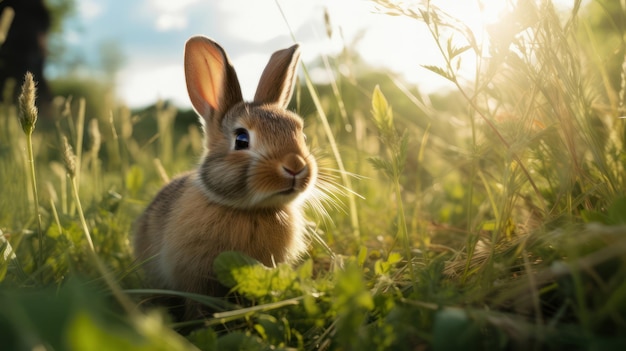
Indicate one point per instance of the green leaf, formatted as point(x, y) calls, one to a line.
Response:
point(454, 330)
point(381, 267)
point(6, 255)
point(381, 165)
point(252, 279)
point(270, 328)
point(310, 304)
point(351, 291)
point(352, 301)
point(204, 339)
point(362, 256)
point(134, 179)
point(456, 51)
point(238, 341)
point(45, 315)
point(394, 258)
point(229, 261)
point(440, 72)
point(157, 335)
point(489, 225)
point(617, 212)
point(84, 334)
point(425, 16)
point(215, 303)
point(383, 114)
point(590, 216)
point(305, 271)
point(402, 153)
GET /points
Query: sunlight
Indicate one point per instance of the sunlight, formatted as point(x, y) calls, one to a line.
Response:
point(485, 214)
point(488, 12)
point(397, 43)
point(403, 44)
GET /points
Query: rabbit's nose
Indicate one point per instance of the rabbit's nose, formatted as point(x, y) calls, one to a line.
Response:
point(294, 164)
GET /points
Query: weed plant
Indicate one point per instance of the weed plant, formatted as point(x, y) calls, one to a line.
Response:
point(492, 217)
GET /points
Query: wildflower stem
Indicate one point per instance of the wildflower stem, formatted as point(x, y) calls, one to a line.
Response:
point(28, 118)
point(354, 216)
point(70, 167)
point(106, 275)
point(403, 233)
point(81, 215)
point(33, 183)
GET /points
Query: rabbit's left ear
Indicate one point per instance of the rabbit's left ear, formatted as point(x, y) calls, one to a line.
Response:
point(277, 81)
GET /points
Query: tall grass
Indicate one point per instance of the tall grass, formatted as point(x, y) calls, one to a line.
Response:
point(28, 119)
point(492, 218)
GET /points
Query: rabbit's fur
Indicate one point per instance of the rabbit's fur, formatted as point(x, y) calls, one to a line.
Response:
point(241, 199)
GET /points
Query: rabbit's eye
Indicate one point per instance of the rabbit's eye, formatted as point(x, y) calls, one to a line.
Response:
point(242, 139)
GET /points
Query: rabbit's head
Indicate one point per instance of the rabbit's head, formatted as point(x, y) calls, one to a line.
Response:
point(256, 152)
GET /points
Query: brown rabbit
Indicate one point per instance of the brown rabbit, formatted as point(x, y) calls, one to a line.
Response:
point(248, 192)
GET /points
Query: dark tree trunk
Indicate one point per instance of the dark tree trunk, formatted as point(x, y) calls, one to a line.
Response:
point(25, 48)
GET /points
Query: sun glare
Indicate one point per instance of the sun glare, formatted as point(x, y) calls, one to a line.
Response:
point(397, 43)
point(475, 14)
point(403, 44)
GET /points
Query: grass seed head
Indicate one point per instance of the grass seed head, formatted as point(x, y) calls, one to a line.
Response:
point(69, 158)
point(26, 101)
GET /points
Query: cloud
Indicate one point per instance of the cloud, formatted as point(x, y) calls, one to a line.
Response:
point(167, 21)
point(168, 14)
point(171, 6)
point(249, 68)
point(261, 20)
point(90, 9)
point(143, 84)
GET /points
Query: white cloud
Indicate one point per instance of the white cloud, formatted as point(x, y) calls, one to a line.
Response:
point(170, 5)
point(89, 9)
point(394, 42)
point(72, 36)
point(397, 43)
point(261, 20)
point(168, 14)
point(143, 84)
point(249, 68)
point(167, 21)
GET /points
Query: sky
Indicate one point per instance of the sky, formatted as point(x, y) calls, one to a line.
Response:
point(151, 35)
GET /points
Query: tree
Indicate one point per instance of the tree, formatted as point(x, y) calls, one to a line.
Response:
point(25, 47)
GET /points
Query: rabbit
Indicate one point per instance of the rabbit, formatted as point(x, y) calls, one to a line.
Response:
point(248, 192)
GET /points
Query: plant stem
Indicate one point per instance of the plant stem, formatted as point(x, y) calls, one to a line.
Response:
point(33, 183)
point(354, 217)
point(81, 215)
point(80, 132)
point(403, 232)
point(110, 282)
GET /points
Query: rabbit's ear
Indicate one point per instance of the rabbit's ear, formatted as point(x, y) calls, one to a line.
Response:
point(211, 79)
point(277, 81)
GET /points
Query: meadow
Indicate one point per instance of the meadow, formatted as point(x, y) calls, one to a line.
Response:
point(491, 217)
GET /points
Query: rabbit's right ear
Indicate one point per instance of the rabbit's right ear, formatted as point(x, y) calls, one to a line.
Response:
point(212, 83)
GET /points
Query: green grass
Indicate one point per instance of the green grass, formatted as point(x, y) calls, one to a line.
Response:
point(492, 217)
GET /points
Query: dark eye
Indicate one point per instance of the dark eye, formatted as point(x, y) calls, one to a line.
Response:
point(242, 139)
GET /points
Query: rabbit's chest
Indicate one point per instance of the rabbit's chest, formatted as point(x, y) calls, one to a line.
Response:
point(205, 229)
